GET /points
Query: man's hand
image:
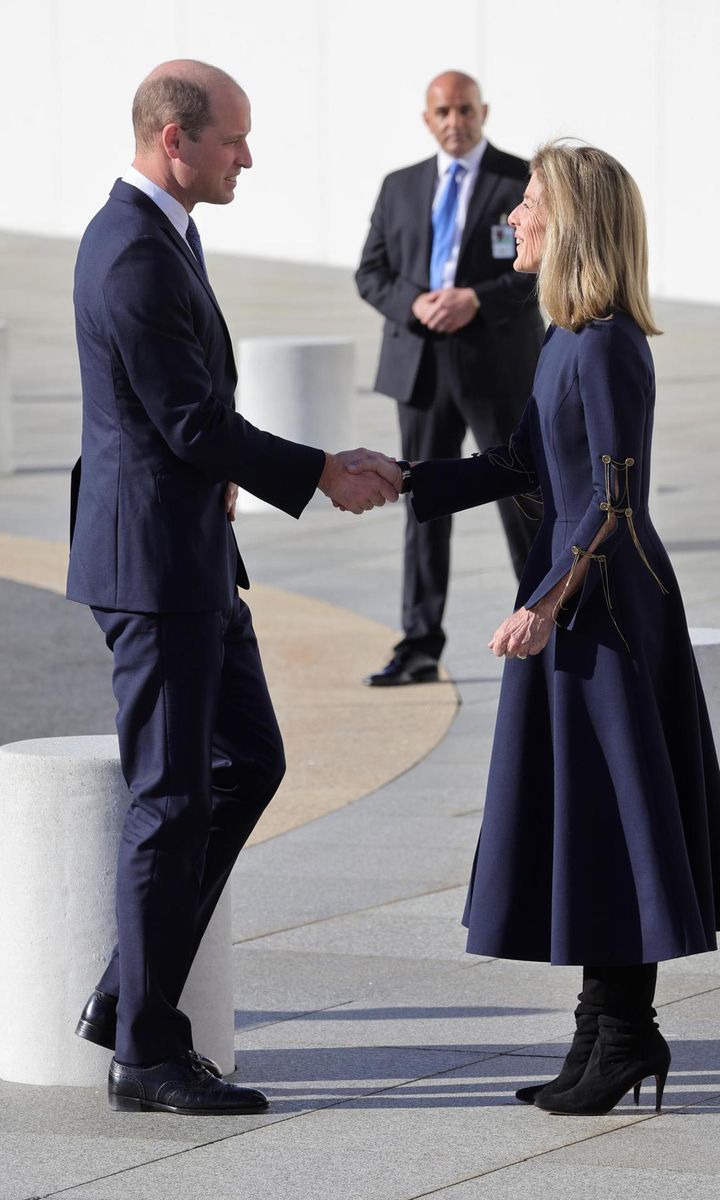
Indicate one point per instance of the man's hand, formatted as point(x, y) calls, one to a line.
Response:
point(374, 479)
point(230, 500)
point(446, 310)
point(423, 306)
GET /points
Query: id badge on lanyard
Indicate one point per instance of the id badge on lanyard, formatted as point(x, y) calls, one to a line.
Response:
point(502, 239)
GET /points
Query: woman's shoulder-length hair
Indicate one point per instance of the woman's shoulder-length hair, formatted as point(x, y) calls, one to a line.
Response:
point(595, 254)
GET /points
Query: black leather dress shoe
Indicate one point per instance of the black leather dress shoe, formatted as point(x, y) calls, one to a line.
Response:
point(98, 1022)
point(180, 1085)
point(405, 666)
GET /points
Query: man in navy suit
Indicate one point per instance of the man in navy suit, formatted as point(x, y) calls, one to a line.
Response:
point(461, 338)
point(154, 555)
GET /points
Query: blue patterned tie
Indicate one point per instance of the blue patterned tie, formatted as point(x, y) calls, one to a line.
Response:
point(443, 222)
point(193, 241)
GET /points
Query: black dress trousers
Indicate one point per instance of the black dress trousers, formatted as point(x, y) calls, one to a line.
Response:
point(202, 756)
point(434, 425)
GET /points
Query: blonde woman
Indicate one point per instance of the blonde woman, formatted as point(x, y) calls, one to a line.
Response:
point(600, 843)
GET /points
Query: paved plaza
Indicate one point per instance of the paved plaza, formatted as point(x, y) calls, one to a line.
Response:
point(389, 1055)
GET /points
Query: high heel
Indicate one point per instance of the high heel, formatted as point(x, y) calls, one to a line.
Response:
point(624, 1054)
point(660, 1081)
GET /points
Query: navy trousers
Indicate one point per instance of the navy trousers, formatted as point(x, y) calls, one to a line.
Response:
point(202, 756)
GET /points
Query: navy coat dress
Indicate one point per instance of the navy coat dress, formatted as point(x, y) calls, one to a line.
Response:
point(600, 841)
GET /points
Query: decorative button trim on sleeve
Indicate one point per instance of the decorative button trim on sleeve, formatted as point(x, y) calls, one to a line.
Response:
point(618, 506)
point(621, 508)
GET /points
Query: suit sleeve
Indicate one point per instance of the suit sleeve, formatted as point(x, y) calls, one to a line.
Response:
point(444, 486)
point(615, 385)
point(151, 325)
point(500, 298)
point(377, 282)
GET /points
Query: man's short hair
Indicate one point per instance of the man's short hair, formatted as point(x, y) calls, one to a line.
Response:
point(166, 100)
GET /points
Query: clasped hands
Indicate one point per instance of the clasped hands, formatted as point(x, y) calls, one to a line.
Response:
point(445, 310)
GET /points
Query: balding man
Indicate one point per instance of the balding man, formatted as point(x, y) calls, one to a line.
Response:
point(461, 339)
point(153, 554)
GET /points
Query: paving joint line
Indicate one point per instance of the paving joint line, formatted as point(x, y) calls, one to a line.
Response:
point(352, 912)
point(300, 1014)
point(641, 1120)
point(530, 1158)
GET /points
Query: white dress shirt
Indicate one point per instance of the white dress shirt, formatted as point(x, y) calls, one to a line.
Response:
point(471, 161)
point(173, 209)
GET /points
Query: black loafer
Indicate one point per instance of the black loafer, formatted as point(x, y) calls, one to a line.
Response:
point(180, 1085)
point(98, 1022)
point(406, 666)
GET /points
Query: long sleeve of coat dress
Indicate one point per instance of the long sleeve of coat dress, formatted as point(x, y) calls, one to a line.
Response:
point(582, 440)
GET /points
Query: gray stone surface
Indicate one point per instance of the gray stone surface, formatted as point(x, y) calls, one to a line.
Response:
point(391, 1057)
point(396, 1143)
point(550, 1175)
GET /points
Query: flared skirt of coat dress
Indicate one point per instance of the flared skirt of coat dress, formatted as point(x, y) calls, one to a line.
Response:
point(600, 840)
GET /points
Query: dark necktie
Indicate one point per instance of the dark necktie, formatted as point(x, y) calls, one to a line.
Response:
point(443, 222)
point(193, 241)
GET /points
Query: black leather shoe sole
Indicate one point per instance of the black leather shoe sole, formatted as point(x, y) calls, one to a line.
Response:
point(133, 1104)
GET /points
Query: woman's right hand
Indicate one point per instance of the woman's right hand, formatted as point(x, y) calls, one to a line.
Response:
point(526, 632)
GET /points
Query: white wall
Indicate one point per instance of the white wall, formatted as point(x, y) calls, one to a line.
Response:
point(337, 90)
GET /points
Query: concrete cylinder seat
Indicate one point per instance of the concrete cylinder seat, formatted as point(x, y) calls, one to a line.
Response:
point(301, 388)
point(62, 804)
point(706, 646)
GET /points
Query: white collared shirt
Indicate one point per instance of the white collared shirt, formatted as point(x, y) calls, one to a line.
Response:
point(471, 162)
point(173, 209)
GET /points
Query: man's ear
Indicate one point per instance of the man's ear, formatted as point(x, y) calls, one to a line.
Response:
point(170, 138)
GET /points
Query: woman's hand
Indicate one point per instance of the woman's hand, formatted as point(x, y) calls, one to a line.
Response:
point(527, 631)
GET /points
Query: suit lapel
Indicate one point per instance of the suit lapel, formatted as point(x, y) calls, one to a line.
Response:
point(183, 247)
point(480, 201)
point(188, 254)
point(423, 200)
point(132, 195)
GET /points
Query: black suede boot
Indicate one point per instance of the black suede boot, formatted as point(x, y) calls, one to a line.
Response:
point(629, 1047)
point(586, 1030)
point(623, 1056)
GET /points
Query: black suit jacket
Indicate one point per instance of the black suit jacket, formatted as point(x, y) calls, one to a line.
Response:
point(160, 433)
point(498, 349)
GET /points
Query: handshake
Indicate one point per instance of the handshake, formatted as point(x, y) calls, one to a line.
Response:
point(355, 481)
point(358, 480)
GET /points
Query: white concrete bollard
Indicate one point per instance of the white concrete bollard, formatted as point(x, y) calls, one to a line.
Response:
point(62, 803)
point(301, 388)
point(6, 425)
point(706, 645)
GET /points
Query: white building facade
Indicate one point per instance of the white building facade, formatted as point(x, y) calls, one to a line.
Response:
point(337, 94)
